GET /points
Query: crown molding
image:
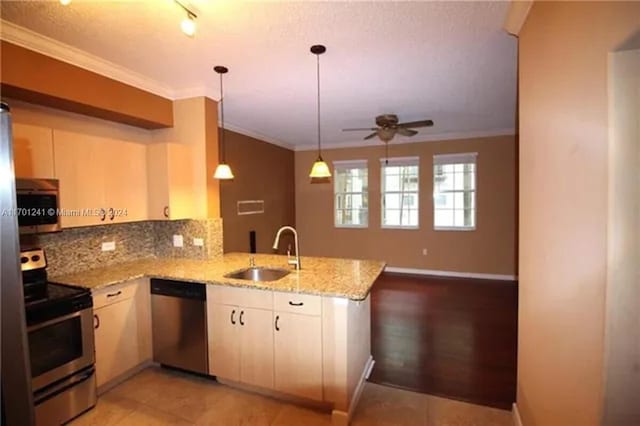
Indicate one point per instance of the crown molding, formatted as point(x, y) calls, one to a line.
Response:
point(517, 15)
point(255, 135)
point(406, 140)
point(31, 40)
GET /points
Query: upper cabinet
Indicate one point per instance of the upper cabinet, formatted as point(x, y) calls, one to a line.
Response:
point(33, 151)
point(101, 180)
point(171, 193)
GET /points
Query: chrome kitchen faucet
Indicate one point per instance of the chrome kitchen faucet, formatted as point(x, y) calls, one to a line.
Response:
point(296, 261)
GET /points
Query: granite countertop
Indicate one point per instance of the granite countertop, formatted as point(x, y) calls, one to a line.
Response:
point(323, 276)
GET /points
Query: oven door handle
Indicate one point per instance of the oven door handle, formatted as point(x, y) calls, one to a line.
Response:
point(55, 320)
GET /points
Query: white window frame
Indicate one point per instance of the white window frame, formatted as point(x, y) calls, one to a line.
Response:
point(460, 158)
point(398, 161)
point(346, 165)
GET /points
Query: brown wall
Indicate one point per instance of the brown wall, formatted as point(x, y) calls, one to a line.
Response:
point(563, 52)
point(262, 172)
point(489, 249)
point(39, 79)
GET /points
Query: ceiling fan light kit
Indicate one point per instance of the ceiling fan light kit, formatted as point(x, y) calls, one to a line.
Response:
point(223, 171)
point(389, 126)
point(320, 172)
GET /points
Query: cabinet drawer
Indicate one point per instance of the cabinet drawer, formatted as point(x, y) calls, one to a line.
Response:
point(113, 294)
point(246, 297)
point(298, 303)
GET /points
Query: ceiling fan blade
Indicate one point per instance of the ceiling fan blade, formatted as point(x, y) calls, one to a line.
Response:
point(407, 132)
point(357, 129)
point(372, 135)
point(421, 123)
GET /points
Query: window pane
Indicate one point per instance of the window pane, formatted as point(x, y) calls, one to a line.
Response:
point(392, 183)
point(458, 200)
point(454, 197)
point(443, 218)
point(351, 198)
point(391, 201)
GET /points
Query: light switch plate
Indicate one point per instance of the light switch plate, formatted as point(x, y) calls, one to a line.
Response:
point(109, 246)
point(198, 242)
point(178, 241)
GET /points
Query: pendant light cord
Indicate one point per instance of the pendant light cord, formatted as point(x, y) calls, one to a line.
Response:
point(222, 118)
point(318, 81)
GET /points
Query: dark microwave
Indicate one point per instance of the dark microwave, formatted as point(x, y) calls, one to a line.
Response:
point(38, 202)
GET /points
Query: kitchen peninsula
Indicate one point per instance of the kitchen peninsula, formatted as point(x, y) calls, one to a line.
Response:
point(304, 337)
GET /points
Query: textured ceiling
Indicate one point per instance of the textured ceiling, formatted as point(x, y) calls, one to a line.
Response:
point(448, 61)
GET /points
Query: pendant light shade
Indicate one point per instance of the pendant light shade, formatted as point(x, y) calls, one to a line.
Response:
point(320, 172)
point(223, 171)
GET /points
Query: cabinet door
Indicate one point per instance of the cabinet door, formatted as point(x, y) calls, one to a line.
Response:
point(256, 347)
point(170, 181)
point(116, 345)
point(81, 168)
point(32, 151)
point(126, 181)
point(224, 341)
point(298, 355)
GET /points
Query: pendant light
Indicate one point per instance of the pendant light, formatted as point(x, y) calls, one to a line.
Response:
point(320, 171)
point(223, 171)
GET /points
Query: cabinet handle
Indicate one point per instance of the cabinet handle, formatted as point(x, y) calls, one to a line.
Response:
point(103, 215)
point(277, 319)
point(112, 213)
point(233, 313)
point(296, 304)
point(241, 314)
point(96, 321)
point(118, 293)
point(166, 211)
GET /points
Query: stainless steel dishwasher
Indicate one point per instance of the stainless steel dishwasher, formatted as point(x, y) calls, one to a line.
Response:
point(179, 322)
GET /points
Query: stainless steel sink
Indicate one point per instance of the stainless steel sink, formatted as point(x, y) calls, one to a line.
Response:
point(258, 274)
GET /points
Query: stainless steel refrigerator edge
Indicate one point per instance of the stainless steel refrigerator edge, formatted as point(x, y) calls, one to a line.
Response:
point(17, 397)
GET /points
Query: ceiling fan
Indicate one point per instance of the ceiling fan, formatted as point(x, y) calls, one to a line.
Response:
point(388, 126)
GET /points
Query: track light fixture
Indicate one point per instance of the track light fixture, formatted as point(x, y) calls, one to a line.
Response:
point(188, 24)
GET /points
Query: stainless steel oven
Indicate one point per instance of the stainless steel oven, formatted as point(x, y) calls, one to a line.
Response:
point(38, 202)
point(60, 347)
point(61, 343)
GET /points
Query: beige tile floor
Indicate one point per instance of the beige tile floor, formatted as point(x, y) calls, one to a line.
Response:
point(162, 397)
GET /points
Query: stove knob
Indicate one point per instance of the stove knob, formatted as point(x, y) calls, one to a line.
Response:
point(24, 259)
point(35, 258)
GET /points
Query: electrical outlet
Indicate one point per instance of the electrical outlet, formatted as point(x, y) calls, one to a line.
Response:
point(424, 251)
point(109, 246)
point(178, 241)
point(198, 242)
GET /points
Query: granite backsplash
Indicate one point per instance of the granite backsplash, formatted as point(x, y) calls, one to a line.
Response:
point(75, 249)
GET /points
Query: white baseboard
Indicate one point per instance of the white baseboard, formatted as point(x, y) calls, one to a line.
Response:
point(450, 274)
point(517, 421)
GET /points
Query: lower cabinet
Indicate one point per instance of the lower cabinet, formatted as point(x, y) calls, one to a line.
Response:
point(122, 329)
point(298, 355)
point(258, 346)
point(241, 344)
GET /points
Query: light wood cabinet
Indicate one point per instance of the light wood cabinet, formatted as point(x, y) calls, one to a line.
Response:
point(101, 180)
point(171, 186)
point(117, 348)
point(224, 343)
point(298, 355)
point(32, 151)
point(240, 337)
point(256, 347)
point(122, 329)
point(126, 181)
point(81, 169)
